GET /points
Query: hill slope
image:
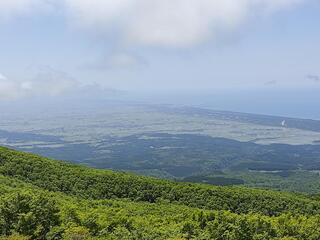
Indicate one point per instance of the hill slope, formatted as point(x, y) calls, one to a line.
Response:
point(46, 199)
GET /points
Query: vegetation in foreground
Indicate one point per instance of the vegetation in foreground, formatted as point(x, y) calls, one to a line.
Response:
point(46, 199)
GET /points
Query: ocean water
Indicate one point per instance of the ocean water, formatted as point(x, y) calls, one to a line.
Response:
point(298, 103)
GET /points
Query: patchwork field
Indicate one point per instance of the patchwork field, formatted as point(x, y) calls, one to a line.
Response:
point(182, 143)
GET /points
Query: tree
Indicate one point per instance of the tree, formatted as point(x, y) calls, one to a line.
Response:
point(28, 214)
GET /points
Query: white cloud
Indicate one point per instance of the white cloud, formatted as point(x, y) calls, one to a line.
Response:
point(177, 23)
point(47, 82)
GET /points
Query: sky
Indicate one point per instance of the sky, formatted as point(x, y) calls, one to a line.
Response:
point(51, 47)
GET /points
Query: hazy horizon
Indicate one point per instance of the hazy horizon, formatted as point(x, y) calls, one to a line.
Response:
point(296, 103)
point(254, 56)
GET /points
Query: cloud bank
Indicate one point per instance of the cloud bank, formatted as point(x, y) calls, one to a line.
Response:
point(156, 23)
point(169, 23)
point(46, 82)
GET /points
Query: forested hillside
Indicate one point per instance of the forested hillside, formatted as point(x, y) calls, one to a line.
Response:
point(47, 199)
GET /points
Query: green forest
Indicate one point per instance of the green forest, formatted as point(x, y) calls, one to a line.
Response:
point(42, 198)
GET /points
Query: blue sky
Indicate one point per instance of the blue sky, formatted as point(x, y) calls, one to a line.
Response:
point(163, 46)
